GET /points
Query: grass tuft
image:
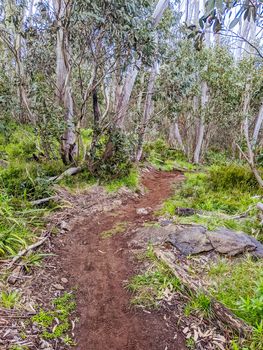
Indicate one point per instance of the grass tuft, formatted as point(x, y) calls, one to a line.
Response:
point(130, 181)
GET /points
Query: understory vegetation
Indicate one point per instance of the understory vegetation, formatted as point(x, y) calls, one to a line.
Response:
point(220, 195)
point(27, 175)
point(91, 92)
point(157, 282)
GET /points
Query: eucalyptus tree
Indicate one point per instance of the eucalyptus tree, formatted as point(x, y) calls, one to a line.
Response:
point(12, 29)
point(132, 72)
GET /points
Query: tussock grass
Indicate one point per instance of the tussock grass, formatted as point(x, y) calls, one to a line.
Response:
point(9, 299)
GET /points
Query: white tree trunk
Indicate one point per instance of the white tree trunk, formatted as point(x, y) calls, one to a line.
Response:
point(201, 128)
point(63, 81)
point(250, 157)
point(123, 102)
point(176, 138)
point(147, 109)
point(124, 99)
point(257, 126)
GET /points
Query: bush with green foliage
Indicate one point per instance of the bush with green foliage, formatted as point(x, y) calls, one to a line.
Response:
point(18, 142)
point(162, 157)
point(111, 156)
point(232, 176)
point(29, 180)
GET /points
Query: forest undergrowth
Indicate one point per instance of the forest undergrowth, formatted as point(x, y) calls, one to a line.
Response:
point(223, 193)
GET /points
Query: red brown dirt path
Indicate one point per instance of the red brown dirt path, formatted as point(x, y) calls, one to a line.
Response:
point(99, 267)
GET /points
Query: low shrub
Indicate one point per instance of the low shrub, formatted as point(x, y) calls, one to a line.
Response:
point(232, 176)
point(29, 180)
point(111, 157)
point(21, 143)
point(162, 157)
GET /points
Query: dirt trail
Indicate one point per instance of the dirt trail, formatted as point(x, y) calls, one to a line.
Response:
point(99, 267)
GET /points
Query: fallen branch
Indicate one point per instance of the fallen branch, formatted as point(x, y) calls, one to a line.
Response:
point(26, 250)
point(68, 172)
point(223, 314)
point(260, 206)
point(44, 200)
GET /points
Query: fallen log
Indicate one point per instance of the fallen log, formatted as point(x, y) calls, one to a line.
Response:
point(222, 313)
point(26, 250)
point(44, 200)
point(68, 172)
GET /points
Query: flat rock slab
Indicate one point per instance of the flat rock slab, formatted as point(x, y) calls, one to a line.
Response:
point(229, 242)
point(197, 239)
point(151, 234)
point(190, 240)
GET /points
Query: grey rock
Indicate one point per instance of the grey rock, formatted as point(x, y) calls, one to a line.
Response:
point(258, 252)
point(152, 234)
point(196, 239)
point(185, 211)
point(64, 226)
point(229, 242)
point(165, 222)
point(143, 211)
point(190, 240)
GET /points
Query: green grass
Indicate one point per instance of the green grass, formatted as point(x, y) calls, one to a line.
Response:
point(19, 224)
point(84, 180)
point(239, 285)
point(9, 299)
point(217, 203)
point(200, 303)
point(218, 195)
point(33, 260)
point(150, 287)
point(130, 181)
point(55, 323)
